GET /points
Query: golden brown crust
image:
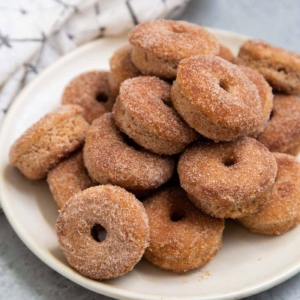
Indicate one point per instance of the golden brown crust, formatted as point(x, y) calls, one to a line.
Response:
point(142, 111)
point(121, 67)
point(265, 94)
point(281, 213)
point(280, 67)
point(109, 159)
point(228, 180)
point(48, 141)
point(216, 98)
point(182, 238)
point(226, 53)
point(282, 133)
point(68, 178)
point(160, 45)
point(91, 91)
point(125, 221)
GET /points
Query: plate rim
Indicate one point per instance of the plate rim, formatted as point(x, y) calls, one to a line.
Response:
point(68, 272)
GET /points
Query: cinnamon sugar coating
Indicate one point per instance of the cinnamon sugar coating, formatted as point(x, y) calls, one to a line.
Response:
point(143, 112)
point(91, 91)
point(109, 159)
point(281, 213)
point(282, 133)
point(125, 221)
point(68, 178)
point(280, 67)
point(182, 238)
point(228, 180)
point(226, 53)
point(216, 98)
point(48, 141)
point(160, 45)
point(121, 68)
point(265, 94)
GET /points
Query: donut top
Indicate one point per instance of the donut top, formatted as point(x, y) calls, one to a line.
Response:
point(220, 90)
point(37, 130)
point(173, 39)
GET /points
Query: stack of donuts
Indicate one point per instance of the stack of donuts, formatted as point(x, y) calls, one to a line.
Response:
point(179, 135)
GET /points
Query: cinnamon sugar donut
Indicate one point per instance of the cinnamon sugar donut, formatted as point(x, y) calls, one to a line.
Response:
point(226, 53)
point(109, 159)
point(160, 45)
point(265, 94)
point(68, 178)
point(91, 91)
point(182, 238)
point(120, 214)
point(121, 68)
point(281, 213)
point(280, 67)
point(228, 180)
point(48, 141)
point(216, 98)
point(162, 131)
point(282, 133)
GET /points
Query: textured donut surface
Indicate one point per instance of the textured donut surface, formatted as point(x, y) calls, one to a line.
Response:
point(48, 141)
point(228, 180)
point(120, 214)
point(142, 111)
point(216, 98)
point(181, 236)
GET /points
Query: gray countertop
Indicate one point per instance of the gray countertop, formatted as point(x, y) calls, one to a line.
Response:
point(24, 276)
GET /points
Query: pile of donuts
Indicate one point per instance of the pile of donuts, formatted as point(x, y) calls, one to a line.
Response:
point(179, 135)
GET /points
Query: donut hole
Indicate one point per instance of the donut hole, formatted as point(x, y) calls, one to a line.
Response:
point(101, 97)
point(223, 85)
point(229, 161)
point(177, 216)
point(98, 233)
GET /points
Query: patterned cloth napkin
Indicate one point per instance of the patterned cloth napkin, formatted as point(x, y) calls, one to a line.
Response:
point(34, 33)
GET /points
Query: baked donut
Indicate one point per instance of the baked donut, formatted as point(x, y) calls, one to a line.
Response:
point(282, 133)
point(226, 53)
point(265, 94)
point(281, 212)
point(228, 180)
point(109, 159)
point(162, 131)
point(91, 91)
point(120, 214)
point(48, 141)
point(280, 67)
point(121, 68)
point(160, 45)
point(216, 98)
point(182, 238)
point(68, 178)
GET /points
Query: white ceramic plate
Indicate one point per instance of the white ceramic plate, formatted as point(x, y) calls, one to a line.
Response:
point(247, 264)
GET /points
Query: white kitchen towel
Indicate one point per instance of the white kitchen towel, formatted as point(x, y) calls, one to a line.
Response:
point(33, 33)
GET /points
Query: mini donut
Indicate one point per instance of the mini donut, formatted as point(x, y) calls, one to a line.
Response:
point(182, 238)
point(281, 213)
point(109, 159)
point(216, 98)
point(282, 133)
point(68, 178)
point(265, 94)
point(228, 180)
point(48, 141)
point(91, 91)
point(120, 214)
point(121, 68)
point(160, 45)
point(226, 53)
point(162, 131)
point(280, 67)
